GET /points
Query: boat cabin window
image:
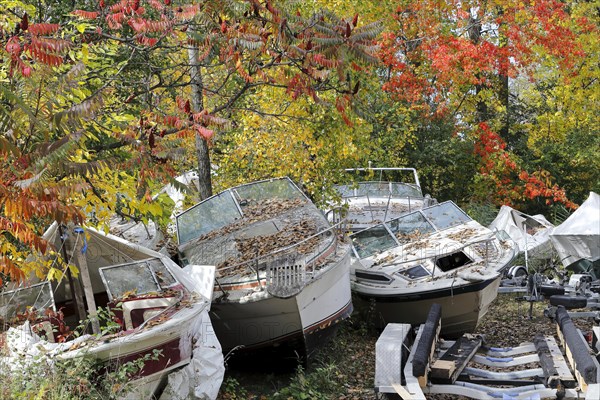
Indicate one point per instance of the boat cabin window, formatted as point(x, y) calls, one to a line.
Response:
point(446, 215)
point(452, 261)
point(410, 227)
point(254, 193)
point(209, 215)
point(139, 278)
point(38, 297)
point(380, 277)
point(415, 272)
point(372, 241)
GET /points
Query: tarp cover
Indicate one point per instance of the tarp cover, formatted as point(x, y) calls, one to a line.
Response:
point(579, 236)
point(530, 232)
point(202, 377)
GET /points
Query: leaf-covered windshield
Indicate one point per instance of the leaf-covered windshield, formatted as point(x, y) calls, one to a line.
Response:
point(279, 189)
point(372, 241)
point(407, 228)
point(410, 227)
point(227, 207)
point(446, 215)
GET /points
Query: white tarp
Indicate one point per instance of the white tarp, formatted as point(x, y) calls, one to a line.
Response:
point(201, 379)
point(530, 232)
point(579, 236)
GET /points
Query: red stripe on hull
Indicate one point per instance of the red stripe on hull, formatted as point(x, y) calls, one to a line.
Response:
point(169, 356)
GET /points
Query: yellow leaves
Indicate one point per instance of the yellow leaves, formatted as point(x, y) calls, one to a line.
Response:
point(304, 143)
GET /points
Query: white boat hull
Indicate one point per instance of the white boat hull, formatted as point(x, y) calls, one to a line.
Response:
point(298, 321)
point(462, 306)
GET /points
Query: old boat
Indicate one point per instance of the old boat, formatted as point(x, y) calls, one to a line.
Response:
point(282, 277)
point(434, 255)
point(378, 195)
point(152, 310)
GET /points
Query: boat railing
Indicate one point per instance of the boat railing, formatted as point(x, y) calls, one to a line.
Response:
point(308, 252)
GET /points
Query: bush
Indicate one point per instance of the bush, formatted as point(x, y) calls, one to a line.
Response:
point(78, 378)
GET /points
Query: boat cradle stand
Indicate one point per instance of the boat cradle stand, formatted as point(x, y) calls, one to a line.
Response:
point(413, 366)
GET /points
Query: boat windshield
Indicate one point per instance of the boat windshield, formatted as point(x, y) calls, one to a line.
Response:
point(38, 297)
point(383, 189)
point(226, 207)
point(209, 215)
point(372, 241)
point(407, 228)
point(257, 192)
point(410, 227)
point(137, 278)
point(446, 215)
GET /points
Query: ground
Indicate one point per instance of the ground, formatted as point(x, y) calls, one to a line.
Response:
point(345, 368)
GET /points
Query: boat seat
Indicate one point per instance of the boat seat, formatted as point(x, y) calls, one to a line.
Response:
point(133, 312)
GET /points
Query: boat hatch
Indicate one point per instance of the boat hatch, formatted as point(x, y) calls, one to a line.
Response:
point(452, 261)
point(415, 272)
point(379, 277)
point(140, 277)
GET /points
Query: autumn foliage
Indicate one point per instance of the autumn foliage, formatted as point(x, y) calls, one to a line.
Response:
point(442, 49)
point(466, 61)
point(504, 179)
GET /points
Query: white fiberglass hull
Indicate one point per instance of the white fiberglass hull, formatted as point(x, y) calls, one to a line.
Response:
point(260, 320)
point(463, 306)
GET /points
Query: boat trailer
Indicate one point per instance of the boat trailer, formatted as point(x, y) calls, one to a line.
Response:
point(413, 366)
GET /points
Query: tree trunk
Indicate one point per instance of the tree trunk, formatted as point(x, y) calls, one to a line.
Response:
point(202, 153)
point(474, 32)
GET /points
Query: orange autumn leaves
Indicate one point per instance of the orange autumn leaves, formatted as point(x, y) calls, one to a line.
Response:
point(510, 184)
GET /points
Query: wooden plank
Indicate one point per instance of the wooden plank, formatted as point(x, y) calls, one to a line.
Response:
point(443, 369)
point(450, 365)
point(405, 394)
point(564, 372)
